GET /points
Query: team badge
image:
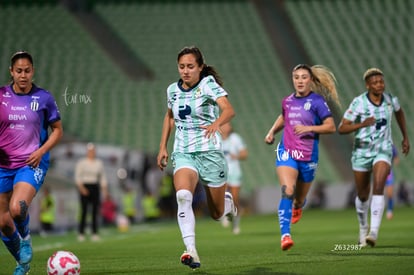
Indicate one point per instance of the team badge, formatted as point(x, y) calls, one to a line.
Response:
point(34, 105)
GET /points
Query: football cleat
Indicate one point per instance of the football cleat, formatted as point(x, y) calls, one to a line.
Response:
point(296, 215)
point(371, 239)
point(191, 259)
point(22, 269)
point(233, 212)
point(286, 243)
point(26, 252)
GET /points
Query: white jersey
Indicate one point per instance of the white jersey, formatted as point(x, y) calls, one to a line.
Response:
point(193, 108)
point(232, 146)
point(372, 139)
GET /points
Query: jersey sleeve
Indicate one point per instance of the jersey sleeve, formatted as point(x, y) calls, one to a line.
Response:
point(323, 110)
point(214, 89)
point(239, 142)
point(395, 103)
point(53, 110)
point(170, 95)
point(352, 112)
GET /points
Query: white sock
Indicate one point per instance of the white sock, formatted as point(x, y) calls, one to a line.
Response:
point(362, 212)
point(228, 204)
point(185, 218)
point(377, 210)
point(236, 222)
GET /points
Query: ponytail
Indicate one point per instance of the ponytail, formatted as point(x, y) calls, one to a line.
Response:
point(324, 83)
point(210, 70)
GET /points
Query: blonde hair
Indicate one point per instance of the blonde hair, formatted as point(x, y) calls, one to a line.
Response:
point(371, 72)
point(324, 82)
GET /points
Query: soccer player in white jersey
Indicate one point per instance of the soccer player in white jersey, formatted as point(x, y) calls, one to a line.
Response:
point(27, 113)
point(369, 115)
point(194, 103)
point(235, 150)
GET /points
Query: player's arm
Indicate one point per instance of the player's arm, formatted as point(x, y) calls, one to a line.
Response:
point(327, 127)
point(276, 127)
point(347, 126)
point(227, 113)
point(243, 153)
point(400, 117)
point(168, 124)
point(54, 137)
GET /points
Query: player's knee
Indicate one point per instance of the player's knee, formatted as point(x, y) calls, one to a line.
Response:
point(287, 193)
point(363, 198)
point(184, 197)
point(18, 211)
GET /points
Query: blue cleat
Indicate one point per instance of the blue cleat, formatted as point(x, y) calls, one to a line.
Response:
point(22, 269)
point(26, 252)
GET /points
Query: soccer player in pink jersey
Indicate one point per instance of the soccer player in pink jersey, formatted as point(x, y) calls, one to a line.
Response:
point(305, 115)
point(26, 114)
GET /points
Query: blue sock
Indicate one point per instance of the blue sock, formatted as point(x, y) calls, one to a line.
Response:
point(13, 244)
point(285, 215)
point(390, 204)
point(23, 227)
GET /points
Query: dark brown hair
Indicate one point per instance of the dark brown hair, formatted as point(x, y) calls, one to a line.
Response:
point(20, 55)
point(207, 70)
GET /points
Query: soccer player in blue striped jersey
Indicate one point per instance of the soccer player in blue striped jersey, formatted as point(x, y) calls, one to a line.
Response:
point(369, 115)
point(197, 106)
point(26, 114)
point(305, 115)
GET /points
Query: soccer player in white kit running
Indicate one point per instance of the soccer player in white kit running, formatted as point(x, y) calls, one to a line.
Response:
point(369, 115)
point(194, 104)
point(235, 150)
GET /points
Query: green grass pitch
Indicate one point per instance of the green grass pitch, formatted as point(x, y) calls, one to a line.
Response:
point(325, 243)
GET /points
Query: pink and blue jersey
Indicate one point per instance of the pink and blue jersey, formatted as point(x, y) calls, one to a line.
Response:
point(24, 122)
point(309, 110)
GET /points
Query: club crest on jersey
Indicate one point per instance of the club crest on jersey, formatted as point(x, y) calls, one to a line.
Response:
point(34, 105)
point(197, 93)
point(307, 106)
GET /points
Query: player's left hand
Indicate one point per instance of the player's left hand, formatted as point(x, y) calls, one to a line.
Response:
point(210, 130)
point(405, 146)
point(301, 129)
point(34, 159)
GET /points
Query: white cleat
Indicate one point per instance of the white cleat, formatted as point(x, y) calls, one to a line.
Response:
point(362, 236)
point(233, 212)
point(371, 239)
point(191, 259)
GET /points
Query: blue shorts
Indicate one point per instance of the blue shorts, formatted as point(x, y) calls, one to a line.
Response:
point(211, 166)
point(34, 176)
point(306, 169)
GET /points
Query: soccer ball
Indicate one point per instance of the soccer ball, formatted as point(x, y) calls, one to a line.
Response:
point(63, 263)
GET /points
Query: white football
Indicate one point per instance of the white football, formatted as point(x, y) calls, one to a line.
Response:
point(63, 263)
